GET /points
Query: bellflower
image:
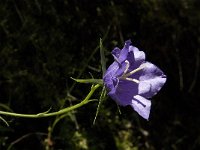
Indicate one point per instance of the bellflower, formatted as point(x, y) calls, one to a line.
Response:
point(130, 80)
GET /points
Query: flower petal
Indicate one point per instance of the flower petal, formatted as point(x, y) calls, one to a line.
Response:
point(151, 80)
point(121, 70)
point(123, 92)
point(142, 106)
point(124, 52)
point(144, 87)
point(112, 69)
point(138, 55)
point(108, 81)
point(116, 52)
point(135, 57)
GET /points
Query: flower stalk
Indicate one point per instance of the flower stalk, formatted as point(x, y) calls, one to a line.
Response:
point(60, 112)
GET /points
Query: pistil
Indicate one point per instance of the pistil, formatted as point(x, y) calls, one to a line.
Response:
point(126, 75)
point(134, 71)
point(133, 80)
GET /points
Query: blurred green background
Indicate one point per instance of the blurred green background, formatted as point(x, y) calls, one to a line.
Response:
point(44, 43)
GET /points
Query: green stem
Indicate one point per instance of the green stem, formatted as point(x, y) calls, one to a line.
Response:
point(62, 111)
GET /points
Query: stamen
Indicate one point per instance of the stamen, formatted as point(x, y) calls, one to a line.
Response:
point(135, 70)
point(133, 80)
point(127, 66)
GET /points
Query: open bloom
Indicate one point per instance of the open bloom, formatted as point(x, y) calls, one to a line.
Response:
point(130, 80)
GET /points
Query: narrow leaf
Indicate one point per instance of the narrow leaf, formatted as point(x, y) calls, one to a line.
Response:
point(93, 81)
point(103, 59)
point(46, 112)
point(102, 97)
point(1, 118)
point(5, 107)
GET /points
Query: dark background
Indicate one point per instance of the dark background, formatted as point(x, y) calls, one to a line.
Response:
point(44, 43)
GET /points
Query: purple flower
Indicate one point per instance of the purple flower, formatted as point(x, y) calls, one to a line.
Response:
point(130, 80)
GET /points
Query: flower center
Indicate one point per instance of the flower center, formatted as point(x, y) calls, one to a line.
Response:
point(126, 74)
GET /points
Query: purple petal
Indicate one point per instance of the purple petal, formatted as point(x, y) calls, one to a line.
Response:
point(108, 81)
point(121, 70)
point(151, 80)
point(142, 106)
point(112, 69)
point(135, 57)
point(138, 55)
point(116, 52)
point(144, 87)
point(110, 77)
point(124, 52)
point(123, 92)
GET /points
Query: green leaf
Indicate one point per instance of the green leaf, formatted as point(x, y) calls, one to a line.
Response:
point(103, 67)
point(103, 59)
point(89, 58)
point(46, 112)
point(3, 106)
point(93, 81)
point(1, 118)
point(102, 97)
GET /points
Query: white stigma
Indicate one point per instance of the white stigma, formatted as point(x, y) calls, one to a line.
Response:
point(127, 66)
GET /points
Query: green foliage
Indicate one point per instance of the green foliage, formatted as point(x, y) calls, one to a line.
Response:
point(44, 43)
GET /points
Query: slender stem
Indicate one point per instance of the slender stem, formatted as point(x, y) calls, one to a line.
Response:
point(62, 111)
